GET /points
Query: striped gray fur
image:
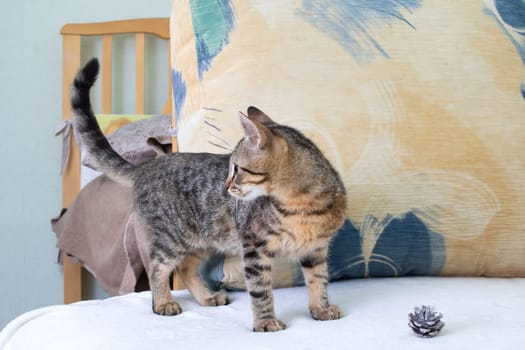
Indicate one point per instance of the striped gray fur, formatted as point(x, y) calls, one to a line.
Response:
point(276, 194)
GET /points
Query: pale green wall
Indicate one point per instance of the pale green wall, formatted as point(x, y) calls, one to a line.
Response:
point(30, 109)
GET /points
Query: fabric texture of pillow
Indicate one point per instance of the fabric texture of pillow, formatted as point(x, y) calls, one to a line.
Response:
point(419, 105)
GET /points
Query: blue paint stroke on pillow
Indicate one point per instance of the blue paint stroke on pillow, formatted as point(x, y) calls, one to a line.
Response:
point(179, 92)
point(212, 271)
point(345, 254)
point(213, 20)
point(510, 15)
point(405, 247)
point(348, 21)
point(512, 12)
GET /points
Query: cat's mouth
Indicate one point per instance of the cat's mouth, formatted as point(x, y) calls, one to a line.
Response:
point(237, 192)
point(248, 194)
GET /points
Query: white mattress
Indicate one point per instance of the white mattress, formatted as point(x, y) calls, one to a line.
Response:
point(479, 313)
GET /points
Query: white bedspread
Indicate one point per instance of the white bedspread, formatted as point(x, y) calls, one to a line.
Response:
point(479, 313)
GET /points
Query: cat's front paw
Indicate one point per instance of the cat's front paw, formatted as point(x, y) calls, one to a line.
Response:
point(270, 325)
point(168, 309)
point(332, 312)
point(217, 299)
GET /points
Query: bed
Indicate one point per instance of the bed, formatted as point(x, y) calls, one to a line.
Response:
point(436, 183)
point(478, 313)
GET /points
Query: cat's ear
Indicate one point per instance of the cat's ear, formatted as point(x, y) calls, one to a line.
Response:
point(255, 113)
point(258, 135)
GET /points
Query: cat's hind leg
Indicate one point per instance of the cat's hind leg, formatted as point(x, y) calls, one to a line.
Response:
point(189, 273)
point(159, 277)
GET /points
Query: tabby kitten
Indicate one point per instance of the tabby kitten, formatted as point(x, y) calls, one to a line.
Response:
point(276, 194)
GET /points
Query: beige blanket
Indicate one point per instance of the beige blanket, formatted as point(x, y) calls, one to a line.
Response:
point(100, 230)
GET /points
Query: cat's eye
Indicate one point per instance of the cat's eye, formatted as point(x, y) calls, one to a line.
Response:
point(235, 169)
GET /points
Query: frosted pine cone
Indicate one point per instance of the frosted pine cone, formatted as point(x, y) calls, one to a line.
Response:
point(425, 321)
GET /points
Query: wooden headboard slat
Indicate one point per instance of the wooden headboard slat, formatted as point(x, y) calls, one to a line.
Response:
point(71, 177)
point(140, 73)
point(70, 64)
point(167, 108)
point(155, 26)
point(107, 75)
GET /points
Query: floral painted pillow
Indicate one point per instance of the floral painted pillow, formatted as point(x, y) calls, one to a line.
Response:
point(419, 105)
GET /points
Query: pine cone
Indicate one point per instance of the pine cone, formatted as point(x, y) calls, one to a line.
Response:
point(425, 321)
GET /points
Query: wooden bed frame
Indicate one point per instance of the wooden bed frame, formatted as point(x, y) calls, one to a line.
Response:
point(71, 60)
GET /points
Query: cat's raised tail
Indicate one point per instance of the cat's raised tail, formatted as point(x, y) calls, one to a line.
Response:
point(88, 130)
